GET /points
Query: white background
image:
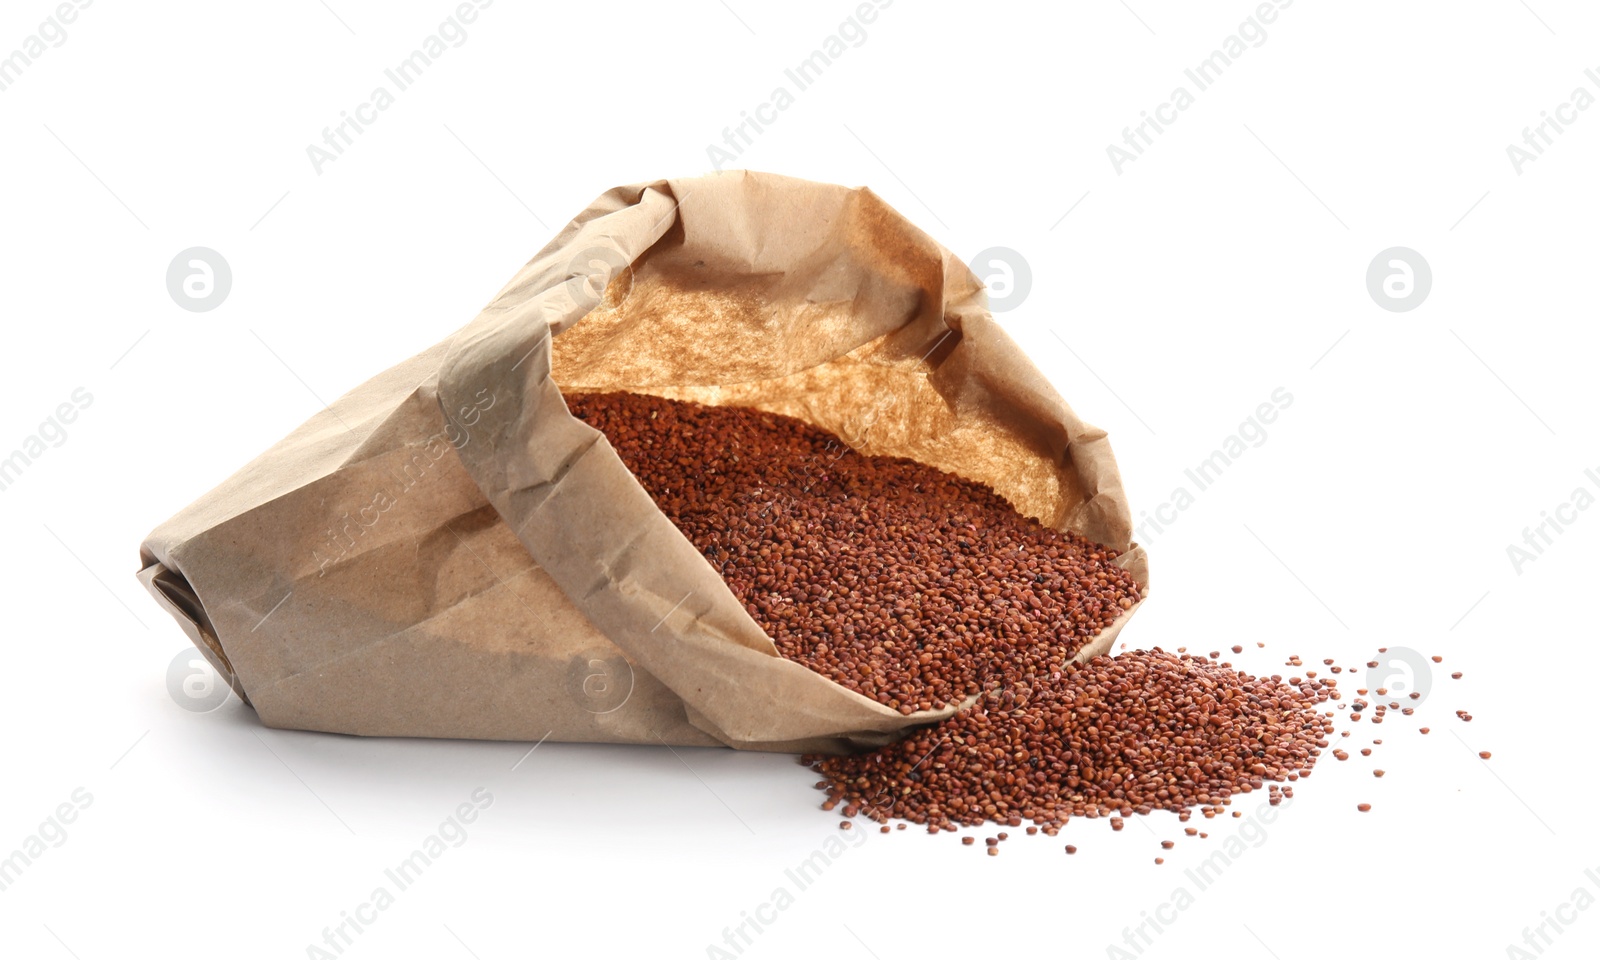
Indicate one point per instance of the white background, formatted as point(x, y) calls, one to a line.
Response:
point(1226, 262)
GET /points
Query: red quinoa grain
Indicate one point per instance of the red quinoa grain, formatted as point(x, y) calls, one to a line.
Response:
point(807, 534)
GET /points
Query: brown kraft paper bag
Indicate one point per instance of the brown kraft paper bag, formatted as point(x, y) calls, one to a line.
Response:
point(446, 552)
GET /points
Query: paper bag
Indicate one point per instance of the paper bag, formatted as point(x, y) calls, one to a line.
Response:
point(446, 552)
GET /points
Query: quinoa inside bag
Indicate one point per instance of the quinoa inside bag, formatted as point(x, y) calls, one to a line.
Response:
point(910, 586)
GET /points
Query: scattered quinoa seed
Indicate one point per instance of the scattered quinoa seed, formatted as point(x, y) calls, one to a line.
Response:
point(922, 590)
